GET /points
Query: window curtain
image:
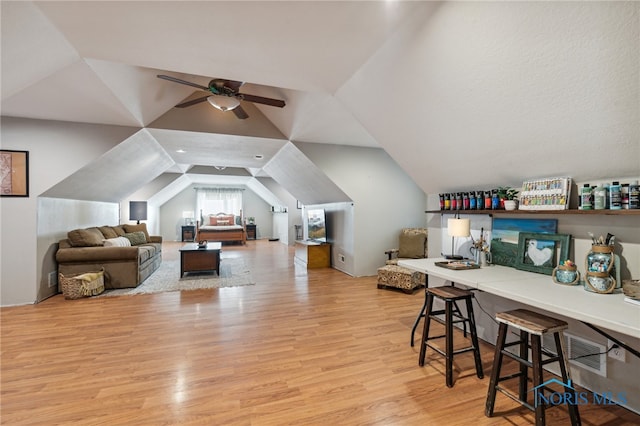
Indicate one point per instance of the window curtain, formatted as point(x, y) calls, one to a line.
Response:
point(218, 200)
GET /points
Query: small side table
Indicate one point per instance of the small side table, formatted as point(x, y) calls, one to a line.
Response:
point(251, 231)
point(188, 233)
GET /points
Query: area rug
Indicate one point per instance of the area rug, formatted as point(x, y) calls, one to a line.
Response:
point(233, 273)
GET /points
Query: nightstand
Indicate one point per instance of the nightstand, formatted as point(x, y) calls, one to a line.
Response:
point(188, 233)
point(251, 231)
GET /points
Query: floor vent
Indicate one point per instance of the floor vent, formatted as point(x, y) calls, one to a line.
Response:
point(581, 352)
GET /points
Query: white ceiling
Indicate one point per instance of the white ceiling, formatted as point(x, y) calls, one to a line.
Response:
point(450, 90)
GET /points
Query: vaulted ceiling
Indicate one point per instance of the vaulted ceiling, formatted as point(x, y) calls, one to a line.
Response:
point(450, 90)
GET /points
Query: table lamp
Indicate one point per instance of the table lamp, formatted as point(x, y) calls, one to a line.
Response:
point(457, 227)
point(137, 211)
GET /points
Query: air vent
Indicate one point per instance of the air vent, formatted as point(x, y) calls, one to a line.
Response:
point(581, 352)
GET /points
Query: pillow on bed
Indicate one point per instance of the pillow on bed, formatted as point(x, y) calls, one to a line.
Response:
point(223, 222)
point(213, 220)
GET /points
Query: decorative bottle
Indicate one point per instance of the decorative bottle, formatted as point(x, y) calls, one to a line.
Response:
point(599, 266)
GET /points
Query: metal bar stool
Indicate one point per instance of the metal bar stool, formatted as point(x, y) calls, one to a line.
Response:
point(532, 326)
point(450, 295)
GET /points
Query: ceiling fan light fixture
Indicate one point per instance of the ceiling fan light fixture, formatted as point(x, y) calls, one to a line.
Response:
point(223, 103)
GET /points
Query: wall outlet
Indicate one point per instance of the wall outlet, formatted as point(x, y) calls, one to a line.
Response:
point(53, 279)
point(341, 258)
point(617, 352)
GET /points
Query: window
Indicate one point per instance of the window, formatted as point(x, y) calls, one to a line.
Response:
point(218, 200)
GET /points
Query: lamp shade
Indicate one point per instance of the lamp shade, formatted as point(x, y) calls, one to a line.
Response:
point(223, 103)
point(459, 227)
point(137, 210)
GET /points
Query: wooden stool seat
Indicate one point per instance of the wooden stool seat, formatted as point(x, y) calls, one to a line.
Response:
point(452, 315)
point(531, 322)
point(532, 326)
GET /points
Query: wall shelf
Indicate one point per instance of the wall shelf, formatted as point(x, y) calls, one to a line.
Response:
point(634, 212)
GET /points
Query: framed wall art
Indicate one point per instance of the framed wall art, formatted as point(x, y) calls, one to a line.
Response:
point(541, 252)
point(504, 238)
point(14, 173)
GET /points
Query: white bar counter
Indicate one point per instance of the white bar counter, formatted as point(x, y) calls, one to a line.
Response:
point(608, 311)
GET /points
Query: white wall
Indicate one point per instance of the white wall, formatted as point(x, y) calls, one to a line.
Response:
point(56, 150)
point(385, 200)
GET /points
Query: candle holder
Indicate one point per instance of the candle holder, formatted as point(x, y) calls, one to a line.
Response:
point(566, 273)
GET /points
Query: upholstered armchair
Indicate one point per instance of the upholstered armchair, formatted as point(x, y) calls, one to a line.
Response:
point(412, 245)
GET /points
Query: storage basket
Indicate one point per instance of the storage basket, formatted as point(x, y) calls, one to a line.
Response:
point(83, 285)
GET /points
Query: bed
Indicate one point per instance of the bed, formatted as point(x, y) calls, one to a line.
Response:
point(222, 227)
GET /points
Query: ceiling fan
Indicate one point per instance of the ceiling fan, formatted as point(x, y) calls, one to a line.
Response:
point(224, 95)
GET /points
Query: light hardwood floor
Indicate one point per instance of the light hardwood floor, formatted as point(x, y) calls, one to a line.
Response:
point(300, 348)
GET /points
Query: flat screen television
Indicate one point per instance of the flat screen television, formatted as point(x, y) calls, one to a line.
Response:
point(316, 225)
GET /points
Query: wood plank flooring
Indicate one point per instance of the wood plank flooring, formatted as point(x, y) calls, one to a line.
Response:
point(300, 347)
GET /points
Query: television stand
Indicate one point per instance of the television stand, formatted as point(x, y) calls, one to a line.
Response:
point(312, 254)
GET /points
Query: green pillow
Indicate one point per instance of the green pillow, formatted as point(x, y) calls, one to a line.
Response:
point(136, 238)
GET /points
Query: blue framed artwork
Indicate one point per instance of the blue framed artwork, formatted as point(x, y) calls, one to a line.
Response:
point(505, 235)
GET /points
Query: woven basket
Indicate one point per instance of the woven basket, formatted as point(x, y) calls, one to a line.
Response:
point(84, 285)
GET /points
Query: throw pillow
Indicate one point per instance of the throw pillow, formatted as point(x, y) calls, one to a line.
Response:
point(108, 232)
point(136, 238)
point(90, 237)
point(213, 221)
point(119, 230)
point(413, 243)
point(137, 228)
point(223, 222)
point(117, 242)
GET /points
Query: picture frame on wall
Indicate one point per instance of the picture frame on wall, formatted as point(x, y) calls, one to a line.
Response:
point(14, 173)
point(541, 253)
point(505, 232)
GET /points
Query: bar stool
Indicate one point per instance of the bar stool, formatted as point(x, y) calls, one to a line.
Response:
point(532, 326)
point(450, 295)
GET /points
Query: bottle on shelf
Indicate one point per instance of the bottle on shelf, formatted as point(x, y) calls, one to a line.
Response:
point(586, 197)
point(634, 195)
point(600, 197)
point(625, 196)
point(615, 196)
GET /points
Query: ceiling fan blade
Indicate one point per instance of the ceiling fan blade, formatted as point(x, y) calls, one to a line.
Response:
point(261, 100)
point(234, 85)
point(240, 113)
point(188, 83)
point(192, 102)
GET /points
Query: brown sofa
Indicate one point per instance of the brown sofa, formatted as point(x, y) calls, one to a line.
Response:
point(91, 249)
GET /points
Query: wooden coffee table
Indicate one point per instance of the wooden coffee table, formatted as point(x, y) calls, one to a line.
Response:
point(195, 259)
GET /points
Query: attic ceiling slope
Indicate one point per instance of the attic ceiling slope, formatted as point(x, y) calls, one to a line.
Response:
point(117, 173)
point(302, 178)
point(293, 45)
point(495, 101)
point(207, 119)
point(214, 149)
point(42, 50)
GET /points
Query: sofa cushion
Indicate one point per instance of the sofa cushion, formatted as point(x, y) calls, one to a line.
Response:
point(136, 238)
point(413, 243)
point(117, 242)
point(142, 227)
point(108, 231)
point(146, 252)
point(89, 237)
point(119, 230)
